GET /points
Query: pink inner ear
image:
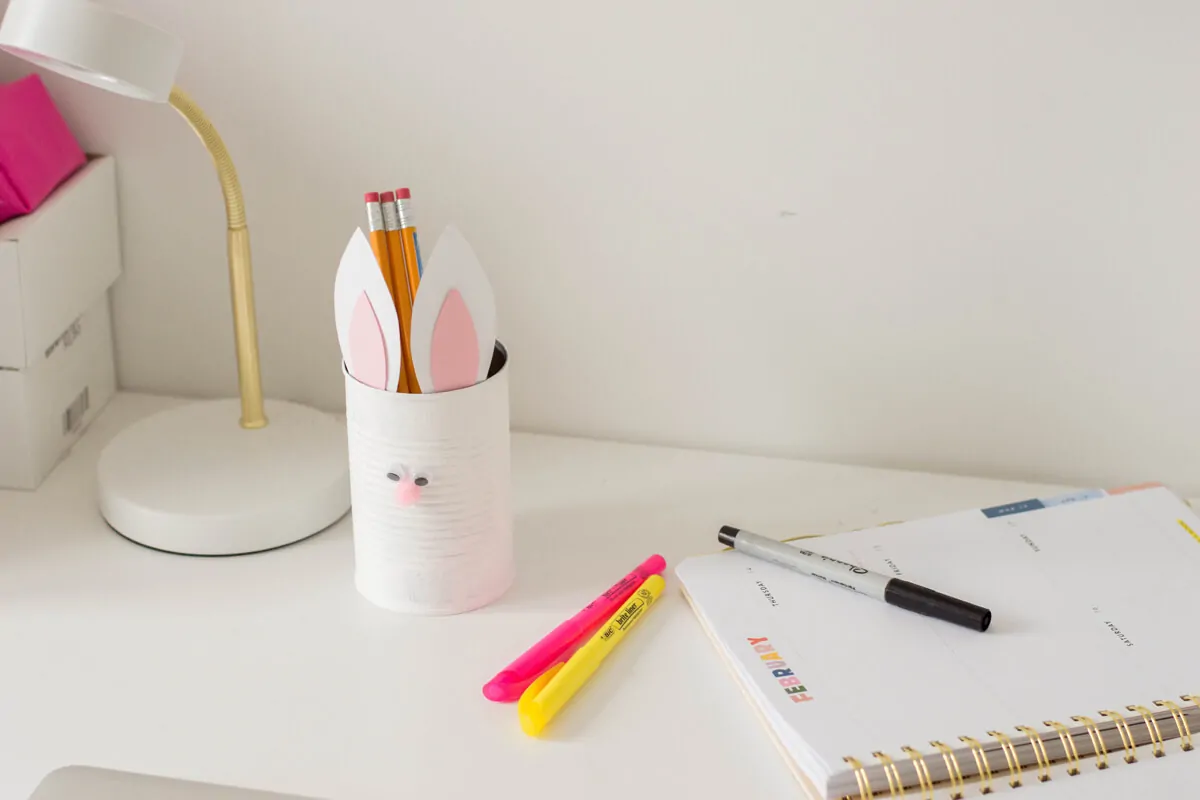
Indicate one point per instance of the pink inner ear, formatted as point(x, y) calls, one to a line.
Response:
point(368, 354)
point(454, 347)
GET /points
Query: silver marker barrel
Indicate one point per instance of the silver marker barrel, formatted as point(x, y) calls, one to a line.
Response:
point(893, 591)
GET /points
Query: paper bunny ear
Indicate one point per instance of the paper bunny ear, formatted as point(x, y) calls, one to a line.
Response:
point(454, 318)
point(367, 326)
point(368, 352)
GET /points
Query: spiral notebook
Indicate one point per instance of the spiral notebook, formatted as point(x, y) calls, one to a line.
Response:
point(1087, 671)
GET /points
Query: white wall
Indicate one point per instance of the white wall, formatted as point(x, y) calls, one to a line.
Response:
point(946, 235)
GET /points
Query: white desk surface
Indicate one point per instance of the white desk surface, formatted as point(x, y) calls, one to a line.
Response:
point(270, 672)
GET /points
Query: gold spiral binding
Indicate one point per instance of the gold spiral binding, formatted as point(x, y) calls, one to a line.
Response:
point(895, 785)
point(1156, 737)
point(1191, 698)
point(1097, 741)
point(1126, 736)
point(981, 762)
point(956, 777)
point(860, 775)
point(1010, 755)
point(1039, 752)
point(1068, 743)
point(1185, 732)
point(923, 776)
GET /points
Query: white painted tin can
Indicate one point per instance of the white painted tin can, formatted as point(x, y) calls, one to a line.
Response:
point(430, 488)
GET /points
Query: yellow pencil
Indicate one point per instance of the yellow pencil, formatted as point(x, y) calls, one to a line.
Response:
point(379, 246)
point(408, 236)
point(378, 237)
point(403, 295)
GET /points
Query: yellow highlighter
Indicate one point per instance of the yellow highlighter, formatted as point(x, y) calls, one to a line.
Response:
point(546, 696)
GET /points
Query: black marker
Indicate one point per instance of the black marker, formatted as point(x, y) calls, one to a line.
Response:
point(893, 591)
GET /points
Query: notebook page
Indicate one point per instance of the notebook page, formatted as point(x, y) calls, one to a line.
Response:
point(1089, 601)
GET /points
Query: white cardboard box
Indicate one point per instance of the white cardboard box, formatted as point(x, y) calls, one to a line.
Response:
point(56, 350)
point(44, 409)
point(56, 262)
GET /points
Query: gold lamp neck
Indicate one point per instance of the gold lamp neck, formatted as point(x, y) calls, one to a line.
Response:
point(241, 282)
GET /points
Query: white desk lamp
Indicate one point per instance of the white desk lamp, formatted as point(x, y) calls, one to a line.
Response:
point(194, 480)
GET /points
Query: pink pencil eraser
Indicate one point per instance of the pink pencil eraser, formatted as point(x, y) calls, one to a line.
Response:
point(387, 197)
point(371, 197)
point(403, 194)
point(37, 149)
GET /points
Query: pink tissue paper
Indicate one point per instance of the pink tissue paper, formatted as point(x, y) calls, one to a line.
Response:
point(37, 150)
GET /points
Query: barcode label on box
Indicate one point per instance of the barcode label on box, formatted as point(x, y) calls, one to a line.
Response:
point(75, 412)
point(67, 338)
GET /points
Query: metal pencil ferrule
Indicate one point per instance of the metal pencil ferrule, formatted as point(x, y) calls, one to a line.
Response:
point(375, 216)
point(391, 217)
point(407, 218)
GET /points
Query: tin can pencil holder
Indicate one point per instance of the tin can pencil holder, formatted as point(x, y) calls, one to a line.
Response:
point(430, 492)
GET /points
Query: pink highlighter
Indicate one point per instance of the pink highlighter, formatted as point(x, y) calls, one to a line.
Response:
point(507, 686)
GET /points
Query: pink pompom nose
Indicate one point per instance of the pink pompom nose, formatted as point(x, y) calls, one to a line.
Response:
point(407, 493)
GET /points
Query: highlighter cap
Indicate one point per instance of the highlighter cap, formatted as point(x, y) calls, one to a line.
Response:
point(505, 687)
point(654, 565)
point(530, 711)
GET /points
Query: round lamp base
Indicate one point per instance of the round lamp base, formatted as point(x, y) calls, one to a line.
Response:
point(191, 480)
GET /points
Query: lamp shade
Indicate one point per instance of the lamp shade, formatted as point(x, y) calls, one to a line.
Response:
point(93, 44)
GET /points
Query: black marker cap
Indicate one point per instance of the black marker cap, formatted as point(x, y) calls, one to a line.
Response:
point(727, 534)
point(912, 597)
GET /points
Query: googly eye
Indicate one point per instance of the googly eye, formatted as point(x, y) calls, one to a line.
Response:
point(396, 474)
point(421, 480)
